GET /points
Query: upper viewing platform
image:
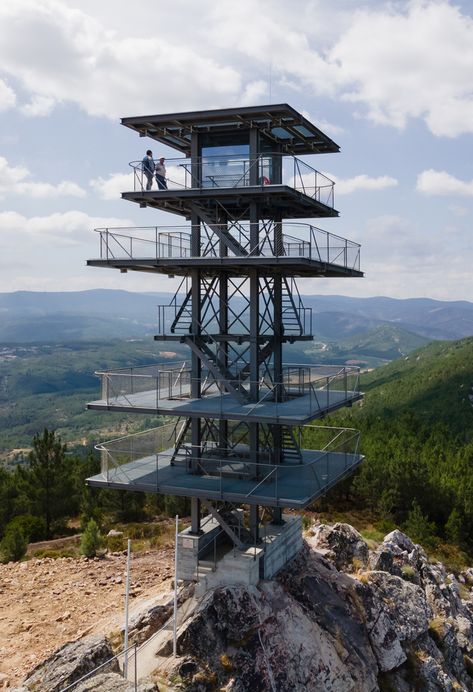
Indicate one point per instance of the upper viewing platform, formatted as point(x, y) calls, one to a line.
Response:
point(280, 183)
point(280, 124)
point(233, 158)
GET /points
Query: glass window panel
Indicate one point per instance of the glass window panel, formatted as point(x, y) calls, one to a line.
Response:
point(225, 165)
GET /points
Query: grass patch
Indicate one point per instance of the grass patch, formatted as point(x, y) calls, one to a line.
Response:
point(408, 573)
point(438, 630)
point(55, 554)
point(454, 559)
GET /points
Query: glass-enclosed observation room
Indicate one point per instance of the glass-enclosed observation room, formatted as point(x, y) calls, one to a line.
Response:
point(250, 149)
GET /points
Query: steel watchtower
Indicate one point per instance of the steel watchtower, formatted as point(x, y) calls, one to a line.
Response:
point(238, 414)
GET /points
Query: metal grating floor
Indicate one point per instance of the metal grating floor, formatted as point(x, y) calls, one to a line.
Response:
point(288, 485)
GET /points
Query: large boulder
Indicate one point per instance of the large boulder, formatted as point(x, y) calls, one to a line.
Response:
point(71, 662)
point(262, 639)
point(340, 543)
point(400, 540)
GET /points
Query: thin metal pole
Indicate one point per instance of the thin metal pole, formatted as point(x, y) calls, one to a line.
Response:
point(174, 648)
point(136, 666)
point(127, 596)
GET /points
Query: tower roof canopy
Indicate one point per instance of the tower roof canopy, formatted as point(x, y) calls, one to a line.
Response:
point(281, 123)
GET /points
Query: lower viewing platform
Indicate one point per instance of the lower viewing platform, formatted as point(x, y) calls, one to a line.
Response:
point(292, 248)
point(305, 393)
point(136, 463)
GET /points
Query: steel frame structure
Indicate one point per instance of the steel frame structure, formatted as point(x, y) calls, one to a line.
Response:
point(240, 407)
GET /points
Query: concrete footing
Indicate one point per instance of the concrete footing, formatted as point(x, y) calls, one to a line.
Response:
point(201, 559)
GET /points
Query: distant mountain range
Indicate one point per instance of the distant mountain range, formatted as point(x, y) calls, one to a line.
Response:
point(29, 316)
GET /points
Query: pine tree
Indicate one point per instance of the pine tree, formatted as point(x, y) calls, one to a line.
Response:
point(49, 483)
point(13, 545)
point(91, 540)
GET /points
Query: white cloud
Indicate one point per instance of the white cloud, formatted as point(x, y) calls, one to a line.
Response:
point(39, 106)
point(46, 190)
point(255, 92)
point(433, 182)
point(12, 181)
point(113, 186)
point(58, 229)
point(402, 60)
point(363, 182)
point(10, 175)
point(404, 258)
point(66, 55)
point(412, 64)
point(7, 96)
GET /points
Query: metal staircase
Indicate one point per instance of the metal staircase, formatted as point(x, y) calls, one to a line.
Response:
point(238, 404)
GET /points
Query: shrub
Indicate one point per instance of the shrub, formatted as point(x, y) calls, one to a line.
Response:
point(409, 573)
point(419, 528)
point(115, 544)
point(306, 522)
point(13, 545)
point(91, 539)
point(53, 554)
point(33, 528)
point(438, 630)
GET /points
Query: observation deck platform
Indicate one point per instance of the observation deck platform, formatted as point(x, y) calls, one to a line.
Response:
point(308, 393)
point(272, 199)
point(233, 480)
point(302, 250)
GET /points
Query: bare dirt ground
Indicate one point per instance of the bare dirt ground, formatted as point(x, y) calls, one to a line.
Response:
point(47, 602)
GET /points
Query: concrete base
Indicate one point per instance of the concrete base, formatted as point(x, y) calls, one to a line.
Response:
point(190, 548)
point(279, 543)
point(236, 567)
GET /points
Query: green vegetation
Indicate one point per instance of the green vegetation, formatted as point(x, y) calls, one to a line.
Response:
point(13, 545)
point(416, 428)
point(48, 386)
point(91, 540)
point(369, 348)
point(39, 498)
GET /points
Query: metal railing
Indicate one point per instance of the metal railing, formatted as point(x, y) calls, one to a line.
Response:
point(103, 666)
point(318, 388)
point(329, 454)
point(174, 242)
point(235, 171)
point(175, 318)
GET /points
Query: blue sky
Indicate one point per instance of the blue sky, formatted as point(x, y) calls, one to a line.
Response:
point(392, 83)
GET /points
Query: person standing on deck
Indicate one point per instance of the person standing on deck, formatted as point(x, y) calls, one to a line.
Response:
point(148, 168)
point(160, 171)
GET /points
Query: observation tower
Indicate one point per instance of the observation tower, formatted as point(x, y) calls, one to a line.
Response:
point(236, 435)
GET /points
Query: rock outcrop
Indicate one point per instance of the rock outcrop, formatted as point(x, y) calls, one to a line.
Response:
point(71, 662)
point(339, 618)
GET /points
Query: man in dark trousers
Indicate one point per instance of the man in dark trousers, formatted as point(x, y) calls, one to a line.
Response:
point(148, 168)
point(161, 174)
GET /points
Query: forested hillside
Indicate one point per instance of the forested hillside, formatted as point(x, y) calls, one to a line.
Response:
point(417, 435)
point(48, 386)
